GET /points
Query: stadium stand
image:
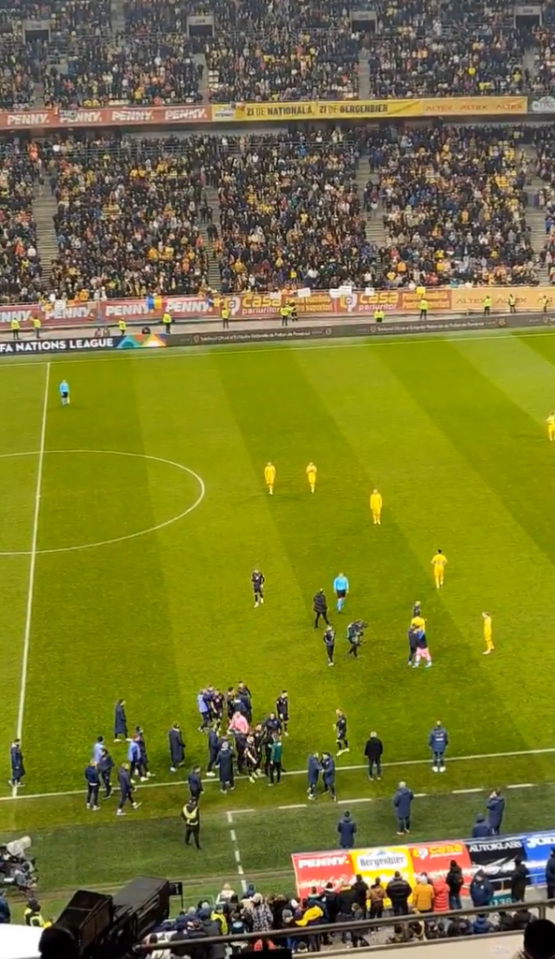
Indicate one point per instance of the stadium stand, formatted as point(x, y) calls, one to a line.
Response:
point(454, 206)
point(20, 267)
point(127, 219)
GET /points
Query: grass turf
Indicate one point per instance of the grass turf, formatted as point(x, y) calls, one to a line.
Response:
point(453, 434)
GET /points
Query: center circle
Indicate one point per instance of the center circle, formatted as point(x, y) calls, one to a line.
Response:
point(100, 500)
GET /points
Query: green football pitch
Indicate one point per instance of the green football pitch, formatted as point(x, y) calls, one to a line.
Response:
point(130, 523)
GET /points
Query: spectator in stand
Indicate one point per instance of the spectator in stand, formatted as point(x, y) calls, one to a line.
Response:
point(550, 874)
point(481, 890)
point(441, 894)
point(423, 895)
point(398, 891)
point(455, 882)
point(520, 878)
point(481, 829)
point(376, 895)
point(539, 940)
point(5, 912)
point(361, 889)
point(482, 925)
point(262, 918)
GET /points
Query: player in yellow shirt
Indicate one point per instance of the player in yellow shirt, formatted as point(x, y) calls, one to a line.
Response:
point(439, 562)
point(311, 476)
point(376, 503)
point(488, 634)
point(551, 427)
point(270, 477)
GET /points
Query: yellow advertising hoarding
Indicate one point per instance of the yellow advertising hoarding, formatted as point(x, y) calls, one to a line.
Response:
point(367, 109)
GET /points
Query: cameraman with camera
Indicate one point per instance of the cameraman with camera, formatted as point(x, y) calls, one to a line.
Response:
point(355, 633)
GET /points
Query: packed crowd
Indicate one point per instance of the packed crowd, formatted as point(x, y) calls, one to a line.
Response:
point(20, 268)
point(454, 206)
point(357, 902)
point(545, 198)
point(127, 221)
point(290, 213)
point(136, 70)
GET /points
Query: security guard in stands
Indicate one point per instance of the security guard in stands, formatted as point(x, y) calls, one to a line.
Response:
point(15, 328)
point(285, 313)
point(379, 315)
point(293, 311)
point(191, 816)
point(512, 303)
point(167, 321)
point(122, 327)
point(225, 313)
point(487, 305)
point(36, 324)
point(423, 307)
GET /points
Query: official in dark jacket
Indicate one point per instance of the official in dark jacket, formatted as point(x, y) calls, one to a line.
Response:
point(16, 763)
point(520, 878)
point(177, 748)
point(92, 779)
point(346, 828)
point(120, 720)
point(496, 810)
point(550, 874)
point(194, 782)
point(399, 891)
point(373, 752)
point(126, 789)
point(224, 763)
point(455, 881)
point(481, 829)
point(481, 890)
point(105, 766)
point(402, 802)
point(191, 816)
point(320, 606)
point(213, 751)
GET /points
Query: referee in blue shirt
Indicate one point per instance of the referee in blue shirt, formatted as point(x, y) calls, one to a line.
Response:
point(340, 588)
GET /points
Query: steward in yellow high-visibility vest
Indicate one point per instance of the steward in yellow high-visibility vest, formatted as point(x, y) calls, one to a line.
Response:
point(512, 303)
point(36, 324)
point(122, 327)
point(285, 313)
point(167, 320)
point(225, 313)
point(15, 327)
point(379, 315)
point(487, 305)
point(423, 307)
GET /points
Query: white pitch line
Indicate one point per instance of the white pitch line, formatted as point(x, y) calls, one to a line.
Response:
point(236, 850)
point(295, 805)
point(351, 802)
point(465, 792)
point(32, 566)
point(233, 835)
point(302, 772)
point(184, 352)
point(521, 786)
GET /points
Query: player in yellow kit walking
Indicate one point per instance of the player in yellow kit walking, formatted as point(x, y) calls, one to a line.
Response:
point(311, 476)
point(439, 562)
point(376, 503)
point(551, 427)
point(488, 634)
point(270, 477)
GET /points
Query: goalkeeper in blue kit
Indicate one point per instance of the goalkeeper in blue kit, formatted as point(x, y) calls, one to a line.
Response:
point(64, 392)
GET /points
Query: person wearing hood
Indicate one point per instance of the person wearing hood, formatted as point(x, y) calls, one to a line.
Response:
point(482, 926)
point(520, 878)
point(346, 828)
point(496, 810)
point(455, 882)
point(224, 763)
point(402, 802)
point(481, 890)
point(481, 829)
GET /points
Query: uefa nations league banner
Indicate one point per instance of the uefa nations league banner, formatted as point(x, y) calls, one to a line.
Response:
point(495, 856)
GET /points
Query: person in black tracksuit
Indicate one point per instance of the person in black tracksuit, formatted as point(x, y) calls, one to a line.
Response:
point(329, 643)
point(93, 784)
point(105, 766)
point(320, 606)
point(126, 789)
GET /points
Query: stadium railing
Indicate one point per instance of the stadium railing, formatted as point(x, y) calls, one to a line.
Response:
point(538, 910)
